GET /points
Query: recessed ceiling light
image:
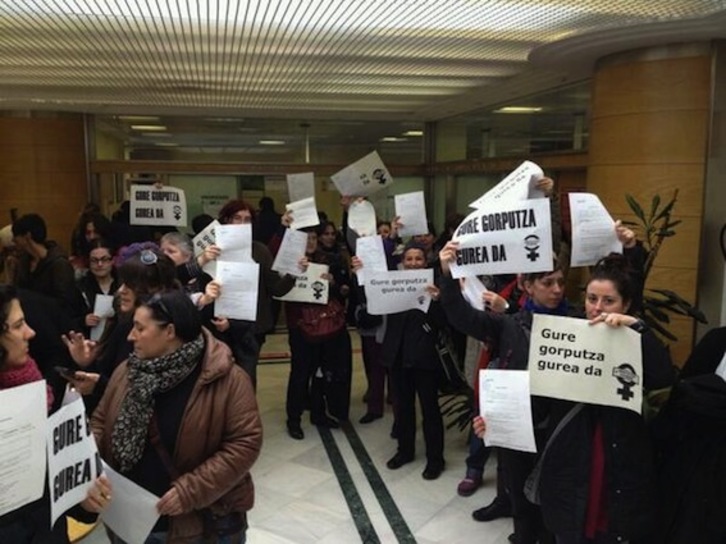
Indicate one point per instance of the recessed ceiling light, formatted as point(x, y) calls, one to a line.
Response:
point(139, 118)
point(393, 139)
point(157, 134)
point(272, 142)
point(413, 133)
point(519, 109)
point(159, 128)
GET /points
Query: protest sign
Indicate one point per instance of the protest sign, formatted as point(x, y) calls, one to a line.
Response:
point(300, 186)
point(152, 205)
point(411, 211)
point(363, 177)
point(597, 364)
point(593, 230)
point(73, 459)
point(239, 291)
point(362, 218)
point(291, 252)
point(132, 513)
point(505, 404)
point(505, 238)
point(22, 445)
point(304, 213)
point(518, 185)
point(310, 286)
point(398, 291)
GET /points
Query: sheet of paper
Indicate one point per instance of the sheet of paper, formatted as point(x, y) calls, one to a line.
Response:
point(398, 291)
point(721, 368)
point(103, 308)
point(518, 185)
point(235, 243)
point(473, 291)
point(572, 360)
point(304, 213)
point(411, 209)
point(292, 249)
point(151, 205)
point(310, 286)
point(362, 218)
point(593, 230)
point(238, 299)
point(363, 177)
point(132, 513)
point(505, 238)
point(505, 404)
point(202, 241)
point(73, 460)
point(300, 186)
point(22, 445)
point(370, 251)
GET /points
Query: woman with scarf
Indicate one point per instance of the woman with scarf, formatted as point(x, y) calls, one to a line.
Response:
point(178, 380)
point(30, 524)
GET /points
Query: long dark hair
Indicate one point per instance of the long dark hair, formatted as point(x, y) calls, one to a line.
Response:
point(8, 293)
point(147, 272)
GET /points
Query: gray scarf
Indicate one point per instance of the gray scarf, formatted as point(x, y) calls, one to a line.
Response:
point(147, 378)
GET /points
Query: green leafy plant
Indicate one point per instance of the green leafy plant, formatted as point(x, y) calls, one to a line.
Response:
point(656, 226)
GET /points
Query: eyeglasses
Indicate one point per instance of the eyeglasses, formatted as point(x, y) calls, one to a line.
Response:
point(156, 304)
point(148, 257)
point(100, 260)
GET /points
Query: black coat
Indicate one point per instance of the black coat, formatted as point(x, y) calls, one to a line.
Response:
point(411, 338)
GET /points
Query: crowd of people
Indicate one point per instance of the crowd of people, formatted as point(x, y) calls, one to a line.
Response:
point(161, 363)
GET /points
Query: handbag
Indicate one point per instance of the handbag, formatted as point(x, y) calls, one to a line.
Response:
point(452, 379)
point(321, 322)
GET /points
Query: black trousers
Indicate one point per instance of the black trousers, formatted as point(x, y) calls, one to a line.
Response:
point(407, 384)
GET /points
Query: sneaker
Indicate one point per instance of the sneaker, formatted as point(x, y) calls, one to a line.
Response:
point(499, 508)
point(468, 486)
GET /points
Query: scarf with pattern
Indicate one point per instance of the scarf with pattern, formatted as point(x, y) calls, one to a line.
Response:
point(147, 378)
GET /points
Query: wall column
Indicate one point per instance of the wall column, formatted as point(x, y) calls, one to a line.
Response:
point(649, 135)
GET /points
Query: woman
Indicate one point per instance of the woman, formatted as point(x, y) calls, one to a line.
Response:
point(409, 353)
point(30, 524)
point(91, 226)
point(178, 380)
point(145, 270)
point(327, 364)
point(100, 280)
point(596, 481)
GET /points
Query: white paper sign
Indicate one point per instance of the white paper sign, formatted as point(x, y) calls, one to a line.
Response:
point(506, 238)
point(304, 213)
point(473, 291)
point(593, 230)
point(235, 242)
point(372, 254)
point(132, 512)
point(362, 218)
point(518, 185)
point(238, 297)
point(103, 308)
point(202, 241)
point(158, 206)
point(411, 210)
point(597, 364)
point(363, 177)
point(721, 368)
point(73, 459)
point(292, 250)
point(300, 186)
point(505, 405)
point(309, 286)
point(22, 445)
point(398, 291)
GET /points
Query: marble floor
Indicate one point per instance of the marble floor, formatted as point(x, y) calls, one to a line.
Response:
point(301, 498)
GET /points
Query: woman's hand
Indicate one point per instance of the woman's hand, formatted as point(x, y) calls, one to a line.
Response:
point(209, 254)
point(494, 302)
point(356, 264)
point(84, 382)
point(448, 255)
point(433, 291)
point(546, 185)
point(625, 235)
point(99, 495)
point(220, 323)
point(92, 320)
point(170, 504)
point(303, 263)
point(395, 227)
point(82, 351)
point(480, 426)
point(614, 320)
point(286, 219)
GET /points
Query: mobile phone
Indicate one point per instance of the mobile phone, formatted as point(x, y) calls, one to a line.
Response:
point(66, 373)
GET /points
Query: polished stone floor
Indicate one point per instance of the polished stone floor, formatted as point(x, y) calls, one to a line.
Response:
point(333, 486)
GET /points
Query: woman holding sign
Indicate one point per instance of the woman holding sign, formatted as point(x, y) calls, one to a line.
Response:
point(180, 419)
point(596, 481)
point(30, 523)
